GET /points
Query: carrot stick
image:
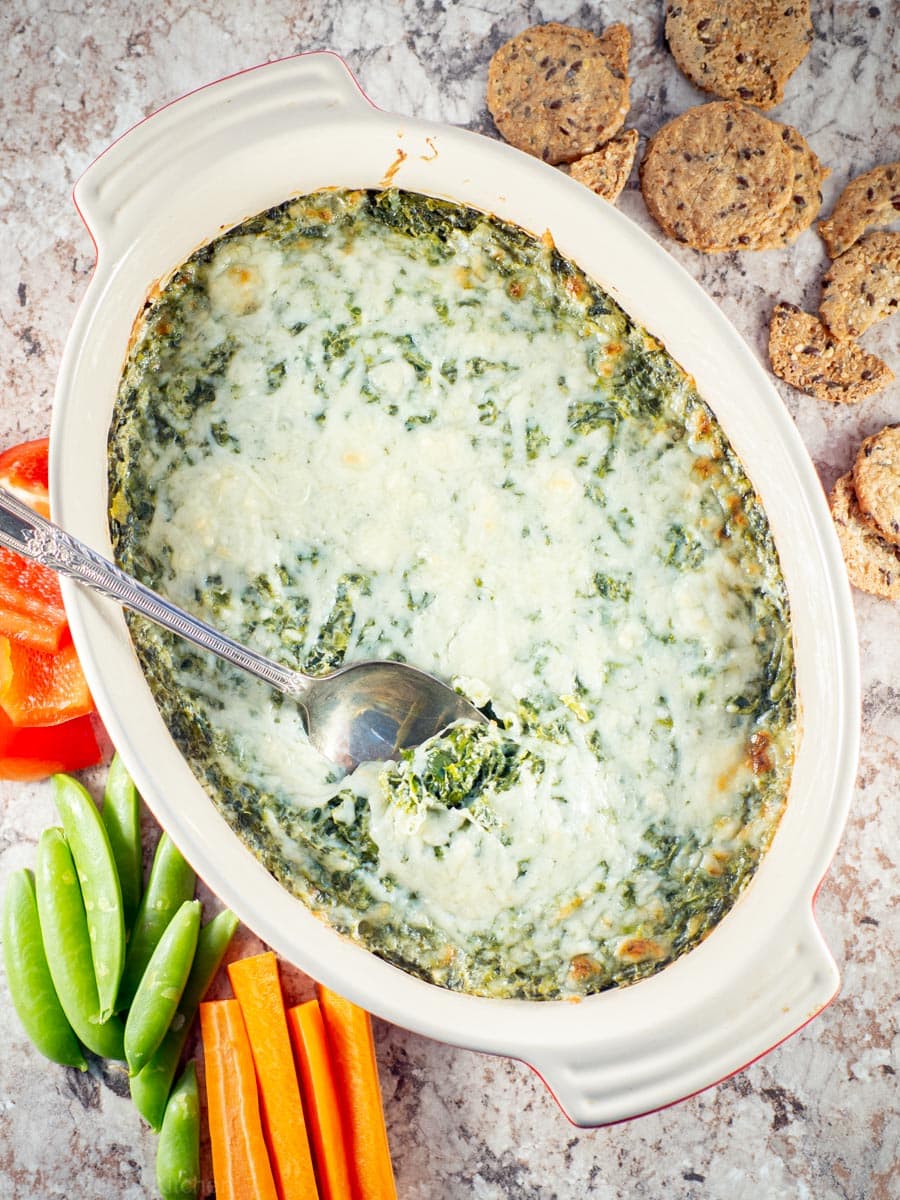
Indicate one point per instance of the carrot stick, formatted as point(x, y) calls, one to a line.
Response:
point(320, 1101)
point(240, 1160)
point(258, 989)
point(352, 1049)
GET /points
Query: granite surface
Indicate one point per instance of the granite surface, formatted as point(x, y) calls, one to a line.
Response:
point(816, 1118)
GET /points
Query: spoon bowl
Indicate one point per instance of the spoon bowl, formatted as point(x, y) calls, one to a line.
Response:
point(365, 712)
point(371, 711)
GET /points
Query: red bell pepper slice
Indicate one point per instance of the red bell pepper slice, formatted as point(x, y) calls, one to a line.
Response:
point(44, 697)
point(31, 604)
point(29, 754)
point(24, 469)
point(41, 689)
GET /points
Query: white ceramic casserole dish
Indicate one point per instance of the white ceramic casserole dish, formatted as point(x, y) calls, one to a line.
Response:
point(250, 141)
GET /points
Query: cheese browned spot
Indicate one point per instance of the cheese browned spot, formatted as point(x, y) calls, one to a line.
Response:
point(758, 751)
point(636, 950)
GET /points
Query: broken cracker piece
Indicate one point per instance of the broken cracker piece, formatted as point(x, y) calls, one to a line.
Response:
point(606, 171)
point(806, 193)
point(739, 49)
point(805, 355)
point(869, 200)
point(862, 286)
point(872, 563)
point(876, 481)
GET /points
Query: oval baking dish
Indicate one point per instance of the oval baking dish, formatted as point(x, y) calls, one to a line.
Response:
point(243, 145)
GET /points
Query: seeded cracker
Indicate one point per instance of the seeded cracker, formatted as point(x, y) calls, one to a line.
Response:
point(606, 171)
point(806, 193)
point(719, 177)
point(872, 563)
point(739, 49)
point(806, 356)
point(869, 200)
point(876, 480)
point(805, 199)
point(862, 286)
point(559, 92)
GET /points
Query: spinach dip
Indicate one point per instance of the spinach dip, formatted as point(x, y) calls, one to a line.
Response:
point(378, 425)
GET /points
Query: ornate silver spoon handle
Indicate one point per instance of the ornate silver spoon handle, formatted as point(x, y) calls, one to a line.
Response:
point(34, 537)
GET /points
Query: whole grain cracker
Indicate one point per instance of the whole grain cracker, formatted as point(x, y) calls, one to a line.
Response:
point(869, 200)
point(559, 92)
point(718, 177)
point(876, 481)
point(806, 193)
point(606, 171)
point(805, 355)
point(873, 564)
point(740, 49)
point(862, 286)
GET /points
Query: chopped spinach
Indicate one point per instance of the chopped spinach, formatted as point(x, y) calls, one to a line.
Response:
point(616, 398)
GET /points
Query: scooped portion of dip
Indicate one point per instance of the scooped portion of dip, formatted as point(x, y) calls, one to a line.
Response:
point(375, 425)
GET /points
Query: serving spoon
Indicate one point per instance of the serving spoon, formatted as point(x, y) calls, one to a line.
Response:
point(365, 712)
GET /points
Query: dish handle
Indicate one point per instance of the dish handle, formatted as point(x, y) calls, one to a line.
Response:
point(656, 1064)
point(165, 163)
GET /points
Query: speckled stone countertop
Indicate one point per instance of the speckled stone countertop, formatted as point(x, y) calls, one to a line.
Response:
point(816, 1118)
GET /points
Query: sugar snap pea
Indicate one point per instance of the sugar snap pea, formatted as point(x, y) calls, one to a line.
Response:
point(122, 820)
point(178, 1152)
point(67, 944)
point(151, 1086)
point(100, 886)
point(30, 986)
point(171, 882)
point(162, 984)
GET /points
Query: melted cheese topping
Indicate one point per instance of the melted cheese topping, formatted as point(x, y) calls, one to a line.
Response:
point(375, 425)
